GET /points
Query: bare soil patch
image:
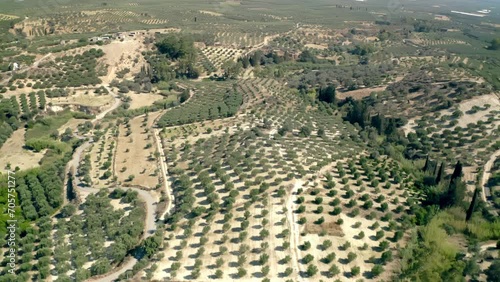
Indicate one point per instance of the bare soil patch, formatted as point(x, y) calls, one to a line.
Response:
point(143, 100)
point(317, 46)
point(211, 13)
point(135, 155)
point(13, 152)
point(360, 93)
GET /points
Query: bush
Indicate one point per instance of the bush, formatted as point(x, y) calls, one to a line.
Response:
point(351, 256)
point(307, 259)
point(318, 200)
point(386, 257)
point(306, 246)
point(311, 270)
point(242, 272)
point(355, 271)
point(320, 220)
point(377, 270)
point(329, 258)
point(326, 244)
point(379, 234)
point(333, 271)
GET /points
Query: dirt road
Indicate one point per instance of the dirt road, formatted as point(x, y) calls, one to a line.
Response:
point(164, 170)
point(487, 174)
point(294, 231)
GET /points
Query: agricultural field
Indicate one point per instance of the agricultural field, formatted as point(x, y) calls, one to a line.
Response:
point(249, 141)
point(136, 155)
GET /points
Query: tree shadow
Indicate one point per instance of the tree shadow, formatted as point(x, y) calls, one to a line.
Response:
point(343, 261)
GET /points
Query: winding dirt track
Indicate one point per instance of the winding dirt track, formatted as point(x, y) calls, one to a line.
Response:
point(487, 174)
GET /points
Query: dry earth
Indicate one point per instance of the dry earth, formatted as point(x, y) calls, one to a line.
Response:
point(13, 152)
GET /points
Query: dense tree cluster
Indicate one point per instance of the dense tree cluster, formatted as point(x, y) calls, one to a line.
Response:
point(40, 192)
point(347, 77)
point(259, 58)
point(494, 44)
point(221, 105)
point(439, 192)
point(362, 113)
point(178, 48)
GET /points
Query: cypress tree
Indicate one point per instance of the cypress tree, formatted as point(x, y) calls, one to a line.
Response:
point(440, 173)
point(472, 205)
point(457, 172)
point(426, 165)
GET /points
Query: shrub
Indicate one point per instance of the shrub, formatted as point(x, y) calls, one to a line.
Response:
point(320, 220)
point(383, 245)
point(307, 259)
point(379, 234)
point(306, 246)
point(242, 272)
point(326, 244)
point(219, 273)
point(361, 235)
point(351, 256)
point(319, 210)
point(354, 212)
point(336, 211)
point(399, 234)
point(301, 209)
point(368, 205)
point(346, 245)
point(377, 270)
point(386, 257)
point(333, 271)
point(334, 202)
point(329, 258)
point(311, 270)
point(351, 203)
point(355, 271)
point(318, 200)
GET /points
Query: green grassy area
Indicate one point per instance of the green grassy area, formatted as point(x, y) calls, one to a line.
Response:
point(48, 125)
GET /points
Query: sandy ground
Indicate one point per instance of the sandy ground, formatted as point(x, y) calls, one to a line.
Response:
point(360, 93)
point(80, 98)
point(211, 13)
point(480, 101)
point(316, 46)
point(12, 152)
point(136, 160)
point(143, 99)
point(441, 18)
point(121, 54)
point(491, 99)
